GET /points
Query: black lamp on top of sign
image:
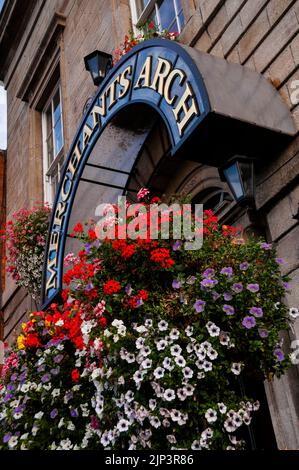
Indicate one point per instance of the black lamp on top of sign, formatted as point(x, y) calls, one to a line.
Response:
point(98, 63)
point(238, 172)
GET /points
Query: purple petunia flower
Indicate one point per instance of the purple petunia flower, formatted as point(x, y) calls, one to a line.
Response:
point(227, 296)
point(215, 296)
point(237, 287)
point(74, 413)
point(253, 287)
point(14, 377)
point(228, 309)
point(139, 302)
point(256, 311)
point(266, 246)
point(58, 358)
point(209, 273)
point(177, 245)
point(23, 375)
point(7, 437)
point(8, 397)
point(278, 353)
point(87, 247)
point(227, 271)
point(89, 287)
point(199, 305)
point(176, 284)
point(68, 396)
point(128, 289)
point(46, 378)
point(243, 266)
point(249, 322)
point(208, 283)
point(190, 280)
point(286, 285)
point(11, 387)
point(263, 332)
point(41, 368)
point(280, 261)
point(54, 413)
point(55, 371)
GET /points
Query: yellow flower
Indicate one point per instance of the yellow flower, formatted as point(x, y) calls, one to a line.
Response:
point(21, 341)
point(24, 326)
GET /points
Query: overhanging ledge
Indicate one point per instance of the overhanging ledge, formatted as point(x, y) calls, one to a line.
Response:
point(211, 108)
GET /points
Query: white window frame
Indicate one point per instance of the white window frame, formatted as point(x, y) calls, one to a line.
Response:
point(57, 163)
point(139, 20)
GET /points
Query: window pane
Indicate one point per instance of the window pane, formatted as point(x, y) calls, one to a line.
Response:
point(167, 13)
point(50, 152)
point(181, 20)
point(56, 107)
point(58, 138)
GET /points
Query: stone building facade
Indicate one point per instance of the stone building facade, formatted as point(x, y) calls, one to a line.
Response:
point(42, 46)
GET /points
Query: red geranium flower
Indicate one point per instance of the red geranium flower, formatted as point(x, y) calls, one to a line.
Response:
point(111, 287)
point(75, 375)
point(78, 228)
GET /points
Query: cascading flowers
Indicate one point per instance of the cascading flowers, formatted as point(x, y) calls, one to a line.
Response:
point(147, 31)
point(150, 346)
point(25, 237)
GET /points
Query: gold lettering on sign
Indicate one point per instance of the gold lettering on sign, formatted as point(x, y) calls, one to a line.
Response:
point(125, 82)
point(66, 192)
point(182, 108)
point(54, 241)
point(74, 160)
point(162, 70)
point(111, 91)
point(59, 212)
point(51, 281)
point(99, 111)
point(169, 84)
point(87, 133)
point(145, 74)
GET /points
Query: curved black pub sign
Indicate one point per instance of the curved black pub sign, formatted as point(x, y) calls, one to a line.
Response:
point(158, 73)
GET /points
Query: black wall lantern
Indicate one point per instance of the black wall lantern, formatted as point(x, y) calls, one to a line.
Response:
point(98, 63)
point(238, 172)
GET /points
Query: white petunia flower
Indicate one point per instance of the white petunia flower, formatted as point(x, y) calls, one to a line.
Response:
point(212, 353)
point(236, 368)
point(146, 364)
point(294, 312)
point(162, 325)
point(139, 343)
point(159, 372)
point(229, 425)
point(222, 408)
point(195, 445)
point(211, 415)
point(189, 389)
point(213, 330)
point(13, 441)
point(175, 350)
point(39, 415)
point(174, 334)
point(169, 394)
point(207, 366)
point(189, 330)
point(123, 425)
point(161, 345)
point(188, 373)
point(180, 361)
